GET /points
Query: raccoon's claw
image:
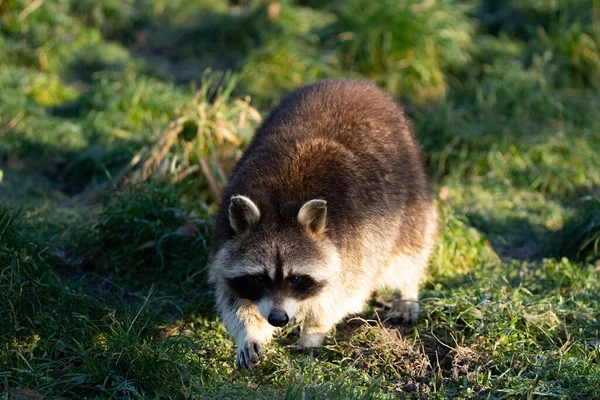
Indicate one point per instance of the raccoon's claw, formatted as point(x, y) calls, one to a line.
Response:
point(406, 311)
point(248, 355)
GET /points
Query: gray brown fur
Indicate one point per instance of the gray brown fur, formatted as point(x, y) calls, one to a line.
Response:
point(350, 147)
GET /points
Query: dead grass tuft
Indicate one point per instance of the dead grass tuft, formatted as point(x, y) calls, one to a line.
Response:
point(206, 141)
point(375, 348)
point(462, 361)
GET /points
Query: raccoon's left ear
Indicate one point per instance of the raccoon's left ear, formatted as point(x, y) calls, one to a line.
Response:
point(243, 214)
point(313, 215)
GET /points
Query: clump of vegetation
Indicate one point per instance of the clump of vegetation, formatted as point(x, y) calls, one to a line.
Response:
point(405, 46)
point(290, 53)
point(460, 249)
point(146, 233)
point(34, 300)
point(565, 32)
point(580, 239)
point(204, 142)
point(125, 359)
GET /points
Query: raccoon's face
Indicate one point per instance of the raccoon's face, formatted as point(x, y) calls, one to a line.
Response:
point(279, 270)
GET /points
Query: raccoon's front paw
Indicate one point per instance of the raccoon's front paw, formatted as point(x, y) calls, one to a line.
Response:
point(248, 355)
point(405, 311)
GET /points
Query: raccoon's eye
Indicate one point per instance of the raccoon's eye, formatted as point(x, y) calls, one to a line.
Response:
point(303, 286)
point(260, 279)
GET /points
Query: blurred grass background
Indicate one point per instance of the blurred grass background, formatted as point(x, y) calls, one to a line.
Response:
point(120, 119)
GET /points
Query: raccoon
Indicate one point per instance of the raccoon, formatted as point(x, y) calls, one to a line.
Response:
point(329, 203)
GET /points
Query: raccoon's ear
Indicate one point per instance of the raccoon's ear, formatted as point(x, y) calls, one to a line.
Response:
point(243, 214)
point(313, 215)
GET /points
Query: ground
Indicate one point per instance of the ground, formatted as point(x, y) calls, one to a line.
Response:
point(120, 119)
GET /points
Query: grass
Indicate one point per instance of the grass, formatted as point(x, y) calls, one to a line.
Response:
point(119, 121)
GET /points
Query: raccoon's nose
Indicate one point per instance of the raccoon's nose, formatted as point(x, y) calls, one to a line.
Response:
point(278, 318)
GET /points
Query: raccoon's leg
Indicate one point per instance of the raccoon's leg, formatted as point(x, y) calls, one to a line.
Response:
point(319, 318)
point(313, 333)
point(250, 330)
point(409, 276)
point(403, 274)
point(407, 270)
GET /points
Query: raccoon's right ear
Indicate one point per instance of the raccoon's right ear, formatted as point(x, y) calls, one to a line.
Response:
point(243, 214)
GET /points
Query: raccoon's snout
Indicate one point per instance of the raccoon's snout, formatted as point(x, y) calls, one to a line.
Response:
point(278, 318)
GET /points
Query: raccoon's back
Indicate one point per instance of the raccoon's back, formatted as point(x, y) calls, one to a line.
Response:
point(344, 141)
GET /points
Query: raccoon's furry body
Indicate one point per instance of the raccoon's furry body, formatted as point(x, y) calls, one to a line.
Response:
point(329, 203)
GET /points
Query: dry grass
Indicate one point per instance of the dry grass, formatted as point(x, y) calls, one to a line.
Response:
point(203, 144)
point(109, 298)
point(375, 348)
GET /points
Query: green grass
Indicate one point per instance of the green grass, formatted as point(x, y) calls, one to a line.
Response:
point(119, 121)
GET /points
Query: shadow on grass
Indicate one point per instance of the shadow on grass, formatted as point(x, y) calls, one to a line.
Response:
point(72, 171)
point(182, 44)
point(517, 238)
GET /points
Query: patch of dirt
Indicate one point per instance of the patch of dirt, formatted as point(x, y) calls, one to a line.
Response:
point(413, 388)
point(378, 347)
point(460, 362)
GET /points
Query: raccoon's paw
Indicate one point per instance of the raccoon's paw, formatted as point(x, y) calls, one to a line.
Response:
point(405, 311)
point(248, 355)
